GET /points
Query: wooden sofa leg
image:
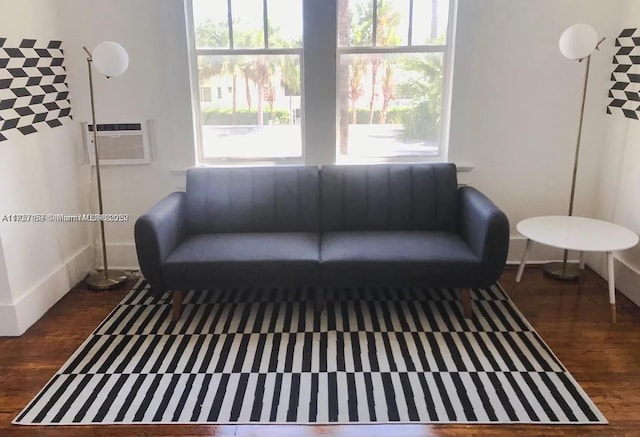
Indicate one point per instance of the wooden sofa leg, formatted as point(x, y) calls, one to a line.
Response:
point(176, 305)
point(467, 308)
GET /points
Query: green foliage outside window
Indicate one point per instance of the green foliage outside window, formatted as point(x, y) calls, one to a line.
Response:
point(417, 79)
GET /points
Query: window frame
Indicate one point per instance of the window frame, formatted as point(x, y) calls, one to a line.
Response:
point(447, 78)
point(194, 53)
point(315, 152)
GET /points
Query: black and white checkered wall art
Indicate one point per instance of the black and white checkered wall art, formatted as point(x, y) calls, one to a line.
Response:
point(33, 88)
point(625, 91)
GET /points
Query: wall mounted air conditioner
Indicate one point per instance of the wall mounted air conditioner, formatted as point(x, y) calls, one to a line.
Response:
point(119, 143)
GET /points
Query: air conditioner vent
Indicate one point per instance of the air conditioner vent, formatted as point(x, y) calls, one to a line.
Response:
point(117, 127)
point(119, 143)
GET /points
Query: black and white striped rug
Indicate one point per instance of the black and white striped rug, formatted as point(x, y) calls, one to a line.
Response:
point(265, 356)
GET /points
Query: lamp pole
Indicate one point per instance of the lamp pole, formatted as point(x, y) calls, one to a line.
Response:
point(106, 279)
point(564, 270)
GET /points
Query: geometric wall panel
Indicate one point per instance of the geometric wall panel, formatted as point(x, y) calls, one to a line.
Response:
point(33, 86)
point(625, 91)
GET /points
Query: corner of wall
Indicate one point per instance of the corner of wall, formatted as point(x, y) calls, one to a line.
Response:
point(17, 317)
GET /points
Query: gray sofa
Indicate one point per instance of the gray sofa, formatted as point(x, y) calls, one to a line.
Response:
point(392, 224)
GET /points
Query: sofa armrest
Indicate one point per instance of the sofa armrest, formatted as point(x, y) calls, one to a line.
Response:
point(157, 233)
point(485, 228)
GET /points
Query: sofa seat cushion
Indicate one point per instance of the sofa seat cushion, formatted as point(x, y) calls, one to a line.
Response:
point(426, 258)
point(209, 260)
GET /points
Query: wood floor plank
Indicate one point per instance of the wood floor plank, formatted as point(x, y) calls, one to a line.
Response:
point(573, 319)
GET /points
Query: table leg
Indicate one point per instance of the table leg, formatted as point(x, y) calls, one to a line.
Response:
point(612, 286)
point(523, 261)
point(581, 267)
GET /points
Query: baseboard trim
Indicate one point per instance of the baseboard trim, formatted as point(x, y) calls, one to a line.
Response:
point(122, 256)
point(627, 276)
point(8, 321)
point(17, 317)
point(538, 253)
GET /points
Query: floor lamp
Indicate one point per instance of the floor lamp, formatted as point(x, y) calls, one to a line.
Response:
point(111, 60)
point(577, 43)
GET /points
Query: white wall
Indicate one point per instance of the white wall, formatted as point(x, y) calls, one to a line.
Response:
point(155, 88)
point(39, 173)
point(514, 111)
point(516, 103)
point(619, 179)
point(514, 118)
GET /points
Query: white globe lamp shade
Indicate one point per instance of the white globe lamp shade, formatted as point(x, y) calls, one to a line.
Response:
point(110, 58)
point(578, 41)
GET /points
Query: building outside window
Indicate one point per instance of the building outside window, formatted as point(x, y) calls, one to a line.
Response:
point(205, 94)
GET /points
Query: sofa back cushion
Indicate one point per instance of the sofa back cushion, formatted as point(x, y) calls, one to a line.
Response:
point(391, 197)
point(256, 199)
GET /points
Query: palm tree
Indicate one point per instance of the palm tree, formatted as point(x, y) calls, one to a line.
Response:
point(230, 65)
point(343, 73)
point(388, 20)
point(216, 35)
point(357, 69)
point(207, 70)
point(388, 91)
point(208, 67)
point(425, 88)
point(258, 70)
point(247, 89)
point(359, 33)
point(426, 83)
point(233, 66)
point(290, 78)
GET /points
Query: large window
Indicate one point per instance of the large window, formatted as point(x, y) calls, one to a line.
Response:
point(391, 77)
point(253, 49)
point(387, 58)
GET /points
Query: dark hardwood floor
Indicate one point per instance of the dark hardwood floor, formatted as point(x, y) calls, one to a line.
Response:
point(572, 318)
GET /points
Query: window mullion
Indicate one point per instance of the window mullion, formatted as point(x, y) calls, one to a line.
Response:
point(222, 52)
point(392, 49)
point(410, 35)
point(265, 20)
point(230, 24)
point(374, 32)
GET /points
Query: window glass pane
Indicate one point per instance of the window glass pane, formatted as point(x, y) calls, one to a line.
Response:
point(390, 104)
point(393, 23)
point(355, 23)
point(285, 23)
point(211, 24)
point(248, 24)
point(430, 19)
point(260, 117)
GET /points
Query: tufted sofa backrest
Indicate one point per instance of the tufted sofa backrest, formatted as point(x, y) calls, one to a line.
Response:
point(256, 199)
point(392, 197)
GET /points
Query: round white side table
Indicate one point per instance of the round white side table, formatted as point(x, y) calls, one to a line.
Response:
point(580, 234)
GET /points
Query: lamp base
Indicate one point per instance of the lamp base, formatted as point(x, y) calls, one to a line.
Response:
point(102, 281)
point(563, 271)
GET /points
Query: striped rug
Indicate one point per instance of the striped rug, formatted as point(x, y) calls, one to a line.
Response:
point(264, 356)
